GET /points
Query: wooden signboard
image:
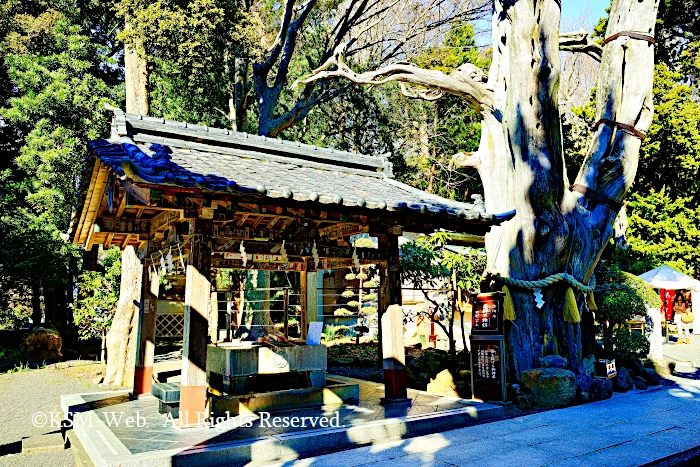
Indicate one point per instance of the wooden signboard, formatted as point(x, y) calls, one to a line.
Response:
point(487, 314)
point(488, 379)
point(342, 230)
point(124, 225)
point(162, 221)
point(250, 264)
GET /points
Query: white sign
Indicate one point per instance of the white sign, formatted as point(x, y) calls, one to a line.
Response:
point(314, 335)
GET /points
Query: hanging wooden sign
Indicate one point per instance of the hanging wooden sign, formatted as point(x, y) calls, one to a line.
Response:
point(124, 225)
point(487, 314)
point(162, 221)
point(342, 230)
point(265, 266)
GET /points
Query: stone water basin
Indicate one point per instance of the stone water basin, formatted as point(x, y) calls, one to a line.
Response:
point(237, 368)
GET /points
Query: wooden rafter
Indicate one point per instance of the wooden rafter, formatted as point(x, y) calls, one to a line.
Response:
point(108, 240)
point(126, 241)
point(242, 220)
point(122, 204)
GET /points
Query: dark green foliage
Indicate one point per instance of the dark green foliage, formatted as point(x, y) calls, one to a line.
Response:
point(620, 296)
point(60, 67)
point(629, 346)
point(662, 230)
point(98, 296)
point(662, 210)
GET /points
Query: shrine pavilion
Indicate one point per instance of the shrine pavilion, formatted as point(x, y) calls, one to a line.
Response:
point(224, 199)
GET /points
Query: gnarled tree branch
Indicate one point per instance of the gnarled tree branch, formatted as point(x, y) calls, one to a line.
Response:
point(467, 81)
point(580, 41)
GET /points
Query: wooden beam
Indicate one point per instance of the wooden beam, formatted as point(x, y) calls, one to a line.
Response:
point(91, 238)
point(242, 220)
point(108, 241)
point(122, 204)
point(126, 241)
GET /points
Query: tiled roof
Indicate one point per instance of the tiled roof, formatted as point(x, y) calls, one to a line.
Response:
point(172, 153)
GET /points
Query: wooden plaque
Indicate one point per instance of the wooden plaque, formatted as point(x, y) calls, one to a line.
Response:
point(488, 378)
point(487, 314)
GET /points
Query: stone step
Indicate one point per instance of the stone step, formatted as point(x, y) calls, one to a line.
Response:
point(43, 443)
point(167, 392)
point(81, 456)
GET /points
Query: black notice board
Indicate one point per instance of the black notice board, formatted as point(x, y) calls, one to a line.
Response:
point(487, 314)
point(488, 379)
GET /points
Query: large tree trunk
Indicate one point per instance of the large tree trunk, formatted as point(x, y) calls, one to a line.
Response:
point(136, 79)
point(36, 304)
point(49, 303)
point(557, 230)
point(123, 335)
point(520, 158)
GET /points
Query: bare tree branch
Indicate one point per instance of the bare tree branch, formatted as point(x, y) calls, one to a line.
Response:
point(467, 81)
point(580, 41)
point(464, 160)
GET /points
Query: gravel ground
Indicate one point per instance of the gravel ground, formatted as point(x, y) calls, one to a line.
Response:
point(26, 393)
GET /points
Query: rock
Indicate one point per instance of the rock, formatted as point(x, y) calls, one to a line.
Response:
point(620, 382)
point(42, 343)
point(443, 384)
point(444, 377)
point(588, 365)
point(630, 379)
point(525, 402)
point(551, 387)
point(601, 389)
point(513, 391)
point(640, 383)
point(583, 388)
point(664, 367)
point(553, 361)
point(636, 367)
point(651, 377)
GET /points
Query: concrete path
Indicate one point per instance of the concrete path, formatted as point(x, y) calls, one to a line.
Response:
point(630, 429)
point(683, 354)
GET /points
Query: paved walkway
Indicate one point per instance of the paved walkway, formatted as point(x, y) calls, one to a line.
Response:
point(630, 429)
point(684, 354)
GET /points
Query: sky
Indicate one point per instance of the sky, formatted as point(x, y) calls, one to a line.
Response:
point(582, 13)
point(575, 15)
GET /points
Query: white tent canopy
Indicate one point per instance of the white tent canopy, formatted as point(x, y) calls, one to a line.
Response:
point(665, 277)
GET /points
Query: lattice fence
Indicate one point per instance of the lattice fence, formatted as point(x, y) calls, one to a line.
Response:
point(170, 325)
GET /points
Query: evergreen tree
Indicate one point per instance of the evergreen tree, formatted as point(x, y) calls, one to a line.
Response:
point(62, 65)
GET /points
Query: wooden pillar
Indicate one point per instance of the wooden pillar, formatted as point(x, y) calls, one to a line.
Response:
point(391, 321)
point(214, 317)
point(303, 303)
point(308, 300)
point(193, 386)
point(145, 350)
